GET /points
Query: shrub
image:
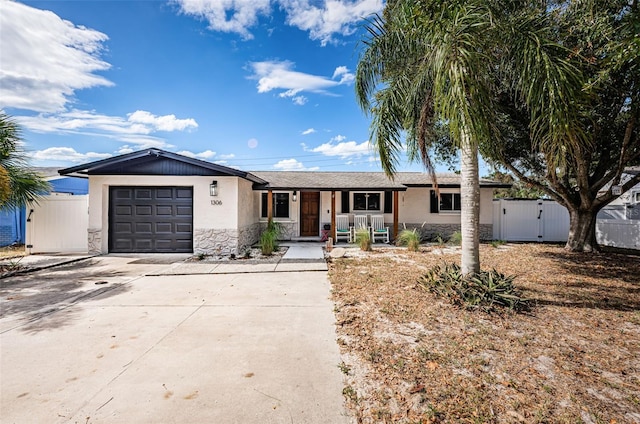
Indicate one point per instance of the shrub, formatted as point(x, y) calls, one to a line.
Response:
point(410, 238)
point(486, 290)
point(269, 238)
point(497, 243)
point(363, 239)
point(456, 238)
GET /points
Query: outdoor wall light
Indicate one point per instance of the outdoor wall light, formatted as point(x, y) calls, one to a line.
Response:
point(295, 195)
point(213, 188)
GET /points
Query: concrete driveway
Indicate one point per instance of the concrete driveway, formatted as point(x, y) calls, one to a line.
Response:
point(97, 342)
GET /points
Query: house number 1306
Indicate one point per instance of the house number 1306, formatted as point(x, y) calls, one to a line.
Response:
point(216, 202)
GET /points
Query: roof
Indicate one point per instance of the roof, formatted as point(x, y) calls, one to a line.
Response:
point(305, 180)
point(159, 162)
point(156, 162)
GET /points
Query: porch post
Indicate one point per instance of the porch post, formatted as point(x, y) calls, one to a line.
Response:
point(333, 215)
point(395, 214)
point(269, 205)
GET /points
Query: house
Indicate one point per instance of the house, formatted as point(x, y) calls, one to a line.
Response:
point(627, 205)
point(158, 201)
point(13, 220)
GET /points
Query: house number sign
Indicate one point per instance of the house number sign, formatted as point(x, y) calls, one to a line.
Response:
point(216, 202)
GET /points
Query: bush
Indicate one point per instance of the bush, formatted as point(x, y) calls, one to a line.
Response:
point(409, 238)
point(456, 238)
point(363, 239)
point(486, 290)
point(269, 238)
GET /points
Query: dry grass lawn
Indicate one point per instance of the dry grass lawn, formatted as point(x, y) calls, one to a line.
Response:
point(410, 357)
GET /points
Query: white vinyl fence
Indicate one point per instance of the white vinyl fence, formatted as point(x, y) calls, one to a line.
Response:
point(58, 223)
point(618, 233)
point(530, 220)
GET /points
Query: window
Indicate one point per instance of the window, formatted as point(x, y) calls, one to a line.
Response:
point(366, 201)
point(280, 205)
point(637, 197)
point(449, 202)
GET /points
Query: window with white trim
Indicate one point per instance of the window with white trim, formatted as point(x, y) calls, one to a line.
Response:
point(366, 201)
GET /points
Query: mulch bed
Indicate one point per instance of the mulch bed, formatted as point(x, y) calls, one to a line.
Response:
point(410, 357)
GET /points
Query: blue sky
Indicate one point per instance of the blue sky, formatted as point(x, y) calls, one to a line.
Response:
point(253, 84)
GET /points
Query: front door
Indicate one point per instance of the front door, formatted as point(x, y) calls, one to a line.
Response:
point(310, 213)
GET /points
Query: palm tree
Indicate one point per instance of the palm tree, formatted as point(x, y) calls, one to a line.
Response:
point(428, 64)
point(18, 184)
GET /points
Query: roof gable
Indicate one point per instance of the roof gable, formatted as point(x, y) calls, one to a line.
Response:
point(156, 162)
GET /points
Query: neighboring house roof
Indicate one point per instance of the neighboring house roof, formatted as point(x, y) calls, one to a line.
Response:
point(301, 180)
point(156, 162)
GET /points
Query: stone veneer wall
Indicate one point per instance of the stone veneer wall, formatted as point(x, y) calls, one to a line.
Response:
point(94, 240)
point(289, 230)
point(248, 236)
point(210, 241)
point(430, 231)
point(225, 242)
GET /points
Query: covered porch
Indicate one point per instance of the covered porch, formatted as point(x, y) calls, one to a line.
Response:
point(308, 204)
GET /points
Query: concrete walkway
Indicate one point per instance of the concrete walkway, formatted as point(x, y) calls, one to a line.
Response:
point(215, 348)
point(298, 257)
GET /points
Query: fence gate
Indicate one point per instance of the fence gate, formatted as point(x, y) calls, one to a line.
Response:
point(530, 220)
point(58, 223)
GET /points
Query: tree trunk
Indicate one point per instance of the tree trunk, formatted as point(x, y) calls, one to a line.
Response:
point(582, 231)
point(470, 205)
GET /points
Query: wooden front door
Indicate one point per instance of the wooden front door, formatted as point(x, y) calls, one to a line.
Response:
point(310, 213)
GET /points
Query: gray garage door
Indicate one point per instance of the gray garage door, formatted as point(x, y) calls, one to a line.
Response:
point(150, 219)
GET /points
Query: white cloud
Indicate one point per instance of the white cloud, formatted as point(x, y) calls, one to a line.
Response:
point(207, 154)
point(136, 129)
point(338, 147)
point(292, 165)
point(300, 100)
point(235, 16)
point(161, 123)
point(322, 18)
point(308, 131)
point(279, 75)
point(45, 59)
point(346, 77)
point(225, 157)
point(67, 154)
point(328, 17)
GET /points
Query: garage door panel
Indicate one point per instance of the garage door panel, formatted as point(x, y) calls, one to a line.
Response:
point(143, 245)
point(143, 193)
point(125, 244)
point(124, 210)
point(151, 219)
point(184, 193)
point(145, 210)
point(183, 228)
point(164, 210)
point(123, 228)
point(143, 228)
point(164, 193)
point(164, 228)
point(122, 193)
point(183, 211)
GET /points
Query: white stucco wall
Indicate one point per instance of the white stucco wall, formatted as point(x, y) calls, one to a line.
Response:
point(206, 215)
point(246, 210)
point(415, 206)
